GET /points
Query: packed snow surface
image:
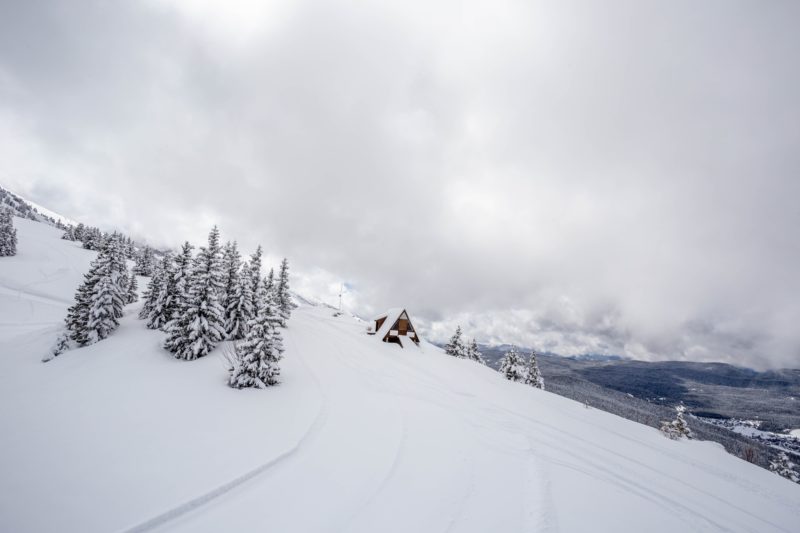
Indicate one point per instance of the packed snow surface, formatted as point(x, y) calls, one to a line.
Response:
point(359, 436)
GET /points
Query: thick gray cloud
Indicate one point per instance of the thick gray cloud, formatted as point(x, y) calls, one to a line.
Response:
point(575, 176)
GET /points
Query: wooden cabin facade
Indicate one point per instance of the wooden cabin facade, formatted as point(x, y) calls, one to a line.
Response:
point(394, 326)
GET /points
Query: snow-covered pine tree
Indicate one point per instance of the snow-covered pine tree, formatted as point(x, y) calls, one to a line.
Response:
point(260, 296)
point(90, 238)
point(255, 275)
point(105, 303)
point(257, 357)
point(115, 245)
point(533, 376)
point(145, 262)
point(512, 365)
point(255, 265)
point(678, 428)
point(455, 346)
point(8, 235)
point(282, 296)
point(270, 280)
point(474, 353)
point(99, 299)
point(215, 252)
point(183, 270)
point(79, 232)
point(132, 294)
point(784, 467)
point(271, 299)
point(680, 423)
point(130, 249)
point(240, 306)
point(61, 345)
point(201, 324)
point(93, 239)
point(150, 294)
point(161, 310)
point(78, 313)
point(231, 265)
point(69, 234)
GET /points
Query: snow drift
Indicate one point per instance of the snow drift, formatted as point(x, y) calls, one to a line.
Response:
point(359, 436)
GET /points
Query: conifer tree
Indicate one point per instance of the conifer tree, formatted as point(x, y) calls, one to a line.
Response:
point(99, 299)
point(274, 319)
point(150, 294)
point(130, 249)
point(680, 423)
point(270, 281)
point(61, 345)
point(78, 313)
point(8, 235)
point(512, 365)
point(257, 357)
point(145, 262)
point(282, 296)
point(231, 264)
point(182, 273)
point(93, 239)
point(132, 294)
point(474, 353)
point(455, 346)
point(115, 248)
point(214, 247)
point(534, 377)
point(260, 296)
point(255, 275)
point(678, 428)
point(80, 229)
point(162, 308)
point(255, 265)
point(90, 238)
point(240, 306)
point(201, 324)
point(105, 303)
point(784, 467)
point(69, 234)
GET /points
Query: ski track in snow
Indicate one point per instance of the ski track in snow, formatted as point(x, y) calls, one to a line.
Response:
point(461, 502)
point(343, 356)
point(597, 470)
point(197, 504)
point(547, 520)
point(384, 482)
point(24, 293)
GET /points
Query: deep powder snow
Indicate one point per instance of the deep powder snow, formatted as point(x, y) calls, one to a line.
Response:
point(359, 436)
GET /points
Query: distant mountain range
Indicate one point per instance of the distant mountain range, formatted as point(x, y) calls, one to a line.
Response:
point(714, 393)
point(713, 390)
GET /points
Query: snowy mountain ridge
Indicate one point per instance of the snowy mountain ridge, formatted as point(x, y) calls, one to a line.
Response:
point(359, 436)
point(24, 208)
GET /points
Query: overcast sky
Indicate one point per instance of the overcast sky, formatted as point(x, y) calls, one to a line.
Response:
point(607, 177)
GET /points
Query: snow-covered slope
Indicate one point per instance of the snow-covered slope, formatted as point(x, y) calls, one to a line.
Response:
point(360, 436)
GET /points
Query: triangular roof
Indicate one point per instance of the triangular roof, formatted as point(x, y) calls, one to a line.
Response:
point(391, 317)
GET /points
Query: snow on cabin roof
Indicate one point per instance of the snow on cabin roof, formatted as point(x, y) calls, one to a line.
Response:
point(393, 311)
point(391, 317)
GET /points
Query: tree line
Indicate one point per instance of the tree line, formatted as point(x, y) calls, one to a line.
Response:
point(8, 235)
point(513, 366)
point(198, 300)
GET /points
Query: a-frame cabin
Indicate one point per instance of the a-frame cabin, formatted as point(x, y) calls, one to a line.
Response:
point(394, 326)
